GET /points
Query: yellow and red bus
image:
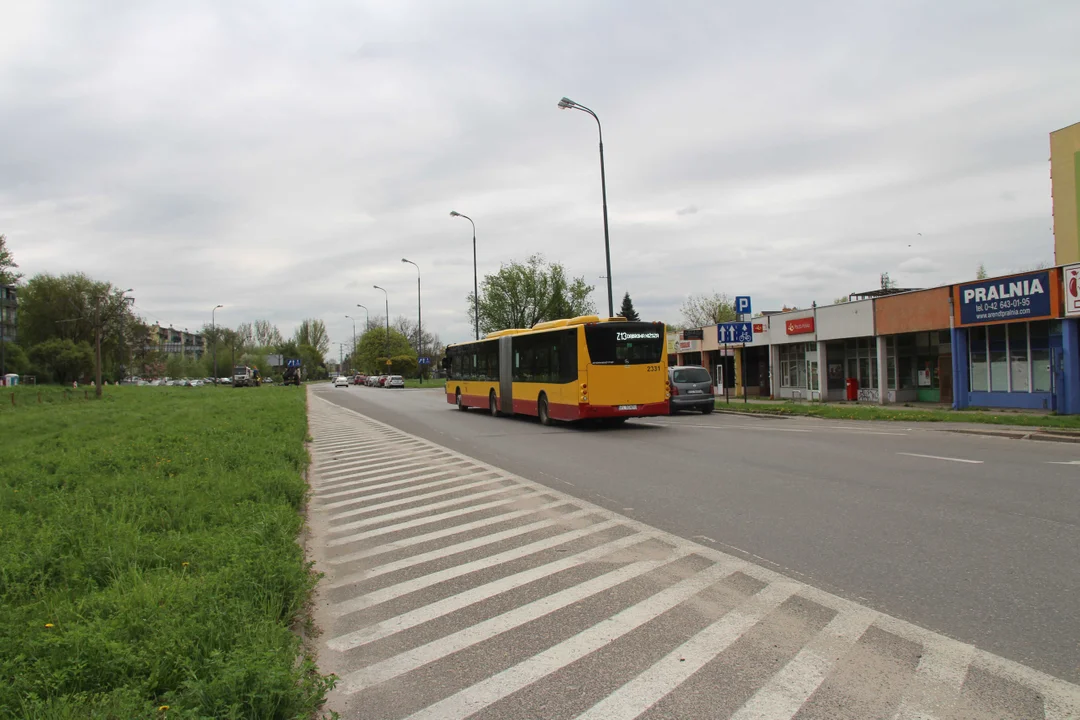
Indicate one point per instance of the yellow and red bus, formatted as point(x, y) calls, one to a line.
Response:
point(574, 369)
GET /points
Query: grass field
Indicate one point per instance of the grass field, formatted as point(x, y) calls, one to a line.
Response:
point(861, 412)
point(149, 564)
point(428, 382)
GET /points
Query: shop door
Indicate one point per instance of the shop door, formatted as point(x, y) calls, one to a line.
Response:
point(945, 377)
point(763, 377)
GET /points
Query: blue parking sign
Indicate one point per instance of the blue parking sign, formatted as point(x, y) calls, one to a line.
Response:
point(742, 304)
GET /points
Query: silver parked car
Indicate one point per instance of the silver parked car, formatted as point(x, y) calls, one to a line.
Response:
point(395, 381)
point(691, 388)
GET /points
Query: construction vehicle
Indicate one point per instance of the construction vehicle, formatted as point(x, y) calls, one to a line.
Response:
point(291, 376)
point(244, 376)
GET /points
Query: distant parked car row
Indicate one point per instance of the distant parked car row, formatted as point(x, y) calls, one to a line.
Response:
point(381, 381)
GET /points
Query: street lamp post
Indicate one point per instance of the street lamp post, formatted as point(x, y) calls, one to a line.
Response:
point(352, 354)
point(476, 288)
point(387, 297)
point(367, 317)
point(566, 104)
point(419, 321)
point(213, 333)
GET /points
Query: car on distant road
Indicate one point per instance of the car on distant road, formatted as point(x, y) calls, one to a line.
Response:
point(382, 380)
point(691, 389)
point(360, 379)
point(341, 381)
point(395, 381)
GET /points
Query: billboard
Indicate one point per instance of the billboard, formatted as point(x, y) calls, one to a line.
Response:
point(1018, 297)
point(1065, 191)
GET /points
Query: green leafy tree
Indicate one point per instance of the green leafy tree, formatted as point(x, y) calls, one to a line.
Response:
point(62, 360)
point(627, 309)
point(15, 360)
point(523, 294)
point(373, 348)
point(980, 272)
point(313, 333)
point(841, 300)
point(699, 309)
point(401, 365)
point(8, 275)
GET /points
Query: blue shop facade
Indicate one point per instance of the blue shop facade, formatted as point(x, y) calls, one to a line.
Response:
point(1014, 345)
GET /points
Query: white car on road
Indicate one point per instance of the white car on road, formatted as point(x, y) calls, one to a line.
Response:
point(341, 381)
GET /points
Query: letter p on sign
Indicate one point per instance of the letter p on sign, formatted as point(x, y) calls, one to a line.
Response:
point(742, 304)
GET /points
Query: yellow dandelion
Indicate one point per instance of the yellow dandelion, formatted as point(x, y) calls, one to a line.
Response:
point(163, 708)
point(183, 564)
point(48, 625)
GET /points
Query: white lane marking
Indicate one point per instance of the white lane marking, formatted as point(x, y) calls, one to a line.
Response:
point(349, 484)
point(790, 688)
point(377, 484)
point(375, 469)
point(645, 690)
point(418, 498)
point(939, 457)
point(365, 461)
point(939, 676)
point(353, 501)
point(403, 588)
point(473, 699)
point(437, 649)
point(1063, 462)
point(477, 594)
point(448, 550)
point(436, 534)
point(519, 493)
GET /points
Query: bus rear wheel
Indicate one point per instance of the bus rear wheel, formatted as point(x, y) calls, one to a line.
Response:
point(457, 398)
point(493, 404)
point(542, 411)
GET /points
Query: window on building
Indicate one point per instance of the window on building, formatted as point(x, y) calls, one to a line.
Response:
point(1019, 369)
point(793, 365)
point(980, 369)
point(1039, 332)
point(890, 361)
point(999, 358)
point(812, 374)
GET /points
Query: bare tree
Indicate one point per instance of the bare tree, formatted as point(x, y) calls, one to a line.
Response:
point(699, 309)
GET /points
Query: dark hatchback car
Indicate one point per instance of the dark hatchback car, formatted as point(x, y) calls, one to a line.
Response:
point(691, 388)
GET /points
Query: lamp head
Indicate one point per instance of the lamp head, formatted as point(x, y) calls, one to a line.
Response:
point(454, 213)
point(566, 103)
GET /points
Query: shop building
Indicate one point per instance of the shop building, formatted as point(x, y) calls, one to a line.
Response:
point(1012, 348)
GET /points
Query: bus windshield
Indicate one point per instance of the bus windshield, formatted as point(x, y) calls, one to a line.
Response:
point(625, 343)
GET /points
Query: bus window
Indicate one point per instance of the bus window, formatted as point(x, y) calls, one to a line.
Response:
point(624, 343)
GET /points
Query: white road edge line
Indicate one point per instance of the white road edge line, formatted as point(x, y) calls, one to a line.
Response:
point(939, 457)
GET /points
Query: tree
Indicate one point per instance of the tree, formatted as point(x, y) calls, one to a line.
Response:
point(62, 360)
point(523, 294)
point(627, 310)
point(887, 283)
point(245, 335)
point(266, 334)
point(980, 272)
point(8, 276)
point(15, 360)
point(313, 333)
point(841, 300)
point(373, 349)
point(700, 310)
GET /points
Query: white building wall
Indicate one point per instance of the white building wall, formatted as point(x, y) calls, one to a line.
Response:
point(778, 328)
point(846, 320)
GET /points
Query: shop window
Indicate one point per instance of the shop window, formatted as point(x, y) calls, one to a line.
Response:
point(1039, 332)
point(979, 368)
point(999, 358)
point(811, 371)
point(1019, 369)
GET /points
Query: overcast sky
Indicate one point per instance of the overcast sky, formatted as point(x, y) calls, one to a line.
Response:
point(280, 158)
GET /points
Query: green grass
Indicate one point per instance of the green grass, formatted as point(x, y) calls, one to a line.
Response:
point(149, 556)
point(427, 383)
point(859, 412)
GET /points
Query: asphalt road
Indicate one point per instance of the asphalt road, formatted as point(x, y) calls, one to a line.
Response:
point(975, 538)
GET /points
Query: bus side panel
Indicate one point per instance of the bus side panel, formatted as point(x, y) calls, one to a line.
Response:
point(506, 374)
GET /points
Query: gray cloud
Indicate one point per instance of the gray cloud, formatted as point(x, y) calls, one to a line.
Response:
point(281, 159)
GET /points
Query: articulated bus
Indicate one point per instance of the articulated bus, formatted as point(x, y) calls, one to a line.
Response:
point(575, 369)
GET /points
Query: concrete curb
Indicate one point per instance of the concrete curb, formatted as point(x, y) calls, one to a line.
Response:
point(1017, 435)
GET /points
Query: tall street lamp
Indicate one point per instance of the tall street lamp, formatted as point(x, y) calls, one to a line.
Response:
point(387, 321)
point(367, 317)
point(352, 353)
point(419, 320)
point(475, 286)
point(213, 333)
point(567, 104)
